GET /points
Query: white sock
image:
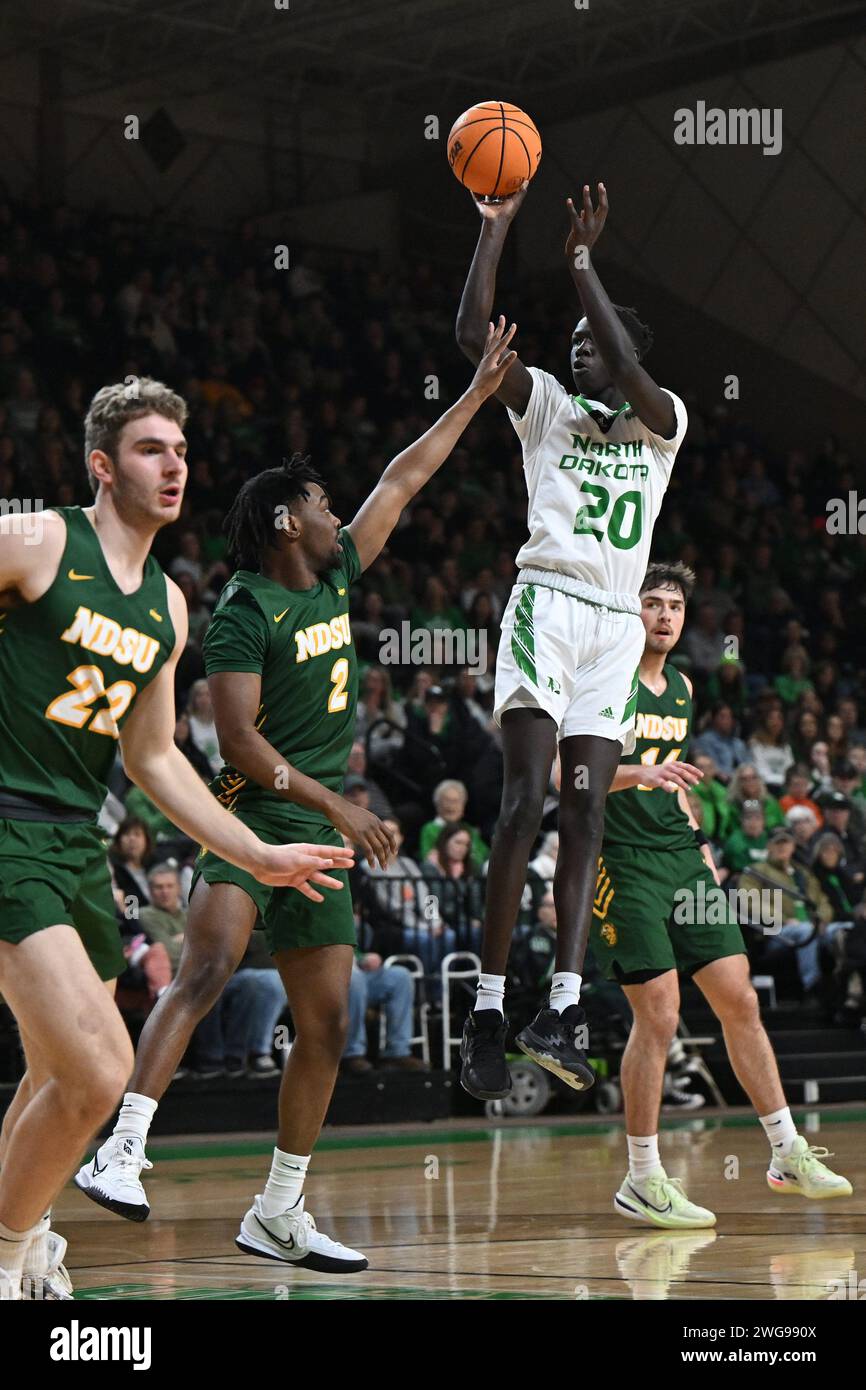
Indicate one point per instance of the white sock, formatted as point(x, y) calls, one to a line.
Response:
point(643, 1155)
point(37, 1254)
point(36, 1260)
point(564, 990)
point(285, 1183)
point(780, 1130)
point(135, 1118)
point(490, 993)
point(13, 1248)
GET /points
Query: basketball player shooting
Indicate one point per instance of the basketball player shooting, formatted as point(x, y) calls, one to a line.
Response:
point(597, 463)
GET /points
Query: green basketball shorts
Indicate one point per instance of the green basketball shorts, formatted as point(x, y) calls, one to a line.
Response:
point(289, 919)
point(54, 874)
point(659, 911)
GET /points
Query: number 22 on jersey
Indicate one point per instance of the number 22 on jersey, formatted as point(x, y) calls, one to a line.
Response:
point(73, 708)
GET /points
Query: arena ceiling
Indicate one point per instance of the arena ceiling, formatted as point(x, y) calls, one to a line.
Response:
point(380, 53)
point(285, 108)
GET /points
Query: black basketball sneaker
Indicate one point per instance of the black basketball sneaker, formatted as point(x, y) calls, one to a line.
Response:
point(555, 1041)
point(484, 1073)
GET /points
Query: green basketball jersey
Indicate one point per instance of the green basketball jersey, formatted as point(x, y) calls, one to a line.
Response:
point(650, 817)
point(300, 642)
point(71, 665)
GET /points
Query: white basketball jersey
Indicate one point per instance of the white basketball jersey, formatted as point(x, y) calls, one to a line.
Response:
point(596, 478)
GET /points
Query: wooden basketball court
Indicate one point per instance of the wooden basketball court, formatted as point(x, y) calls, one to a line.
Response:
point(461, 1210)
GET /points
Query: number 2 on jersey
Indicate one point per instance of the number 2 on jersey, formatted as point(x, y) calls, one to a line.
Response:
point(338, 698)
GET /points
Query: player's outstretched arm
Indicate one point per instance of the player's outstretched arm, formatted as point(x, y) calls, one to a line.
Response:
point(156, 764)
point(476, 304)
point(409, 471)
point(653, 405)
point(236, 699)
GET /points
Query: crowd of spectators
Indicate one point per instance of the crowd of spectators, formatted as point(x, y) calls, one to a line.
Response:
point(335, 358)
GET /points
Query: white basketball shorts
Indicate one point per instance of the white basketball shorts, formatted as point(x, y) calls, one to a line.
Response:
point(576, 660)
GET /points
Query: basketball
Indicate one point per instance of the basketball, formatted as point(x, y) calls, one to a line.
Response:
point(493, 148)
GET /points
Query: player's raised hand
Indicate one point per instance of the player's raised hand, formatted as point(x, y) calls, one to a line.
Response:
point(586, 225)
point(670, 777)
point(372, 837)
point(298, 866)
point(500, 210)
point(495, 359)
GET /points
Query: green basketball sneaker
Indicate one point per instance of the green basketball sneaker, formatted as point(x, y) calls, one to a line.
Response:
point(802, 1171)
point(661, 1201)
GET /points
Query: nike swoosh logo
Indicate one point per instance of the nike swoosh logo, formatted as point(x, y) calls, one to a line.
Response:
point(73, 575)
point(156, 616)
point(278, 617)
point(660, 1210)
point(286, 1244)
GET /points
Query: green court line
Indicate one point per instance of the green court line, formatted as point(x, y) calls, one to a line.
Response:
point(327, 1292)
point(414, 1139)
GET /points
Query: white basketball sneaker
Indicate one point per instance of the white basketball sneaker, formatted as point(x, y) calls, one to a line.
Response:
point(660, 1201)
point(111, 1177)
point(292, 1238)
point(802, 1171)
point(51, 1283)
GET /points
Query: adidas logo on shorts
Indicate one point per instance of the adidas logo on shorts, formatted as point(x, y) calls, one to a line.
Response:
point(606, 713)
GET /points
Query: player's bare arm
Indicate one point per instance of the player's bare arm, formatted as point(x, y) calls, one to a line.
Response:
point(28, 569)
point(706, 852)
point(407, 474)
point(236, 699)
point(476, 304)
point(670, 777)
point(156, 764)
point(689, 813)
point(653, 405)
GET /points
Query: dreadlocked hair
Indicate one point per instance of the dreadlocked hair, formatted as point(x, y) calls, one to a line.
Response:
point(671, 575)
point(640, 333)
point(260, 505)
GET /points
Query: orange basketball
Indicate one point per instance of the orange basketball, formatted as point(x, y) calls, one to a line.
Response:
point(493, 148)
